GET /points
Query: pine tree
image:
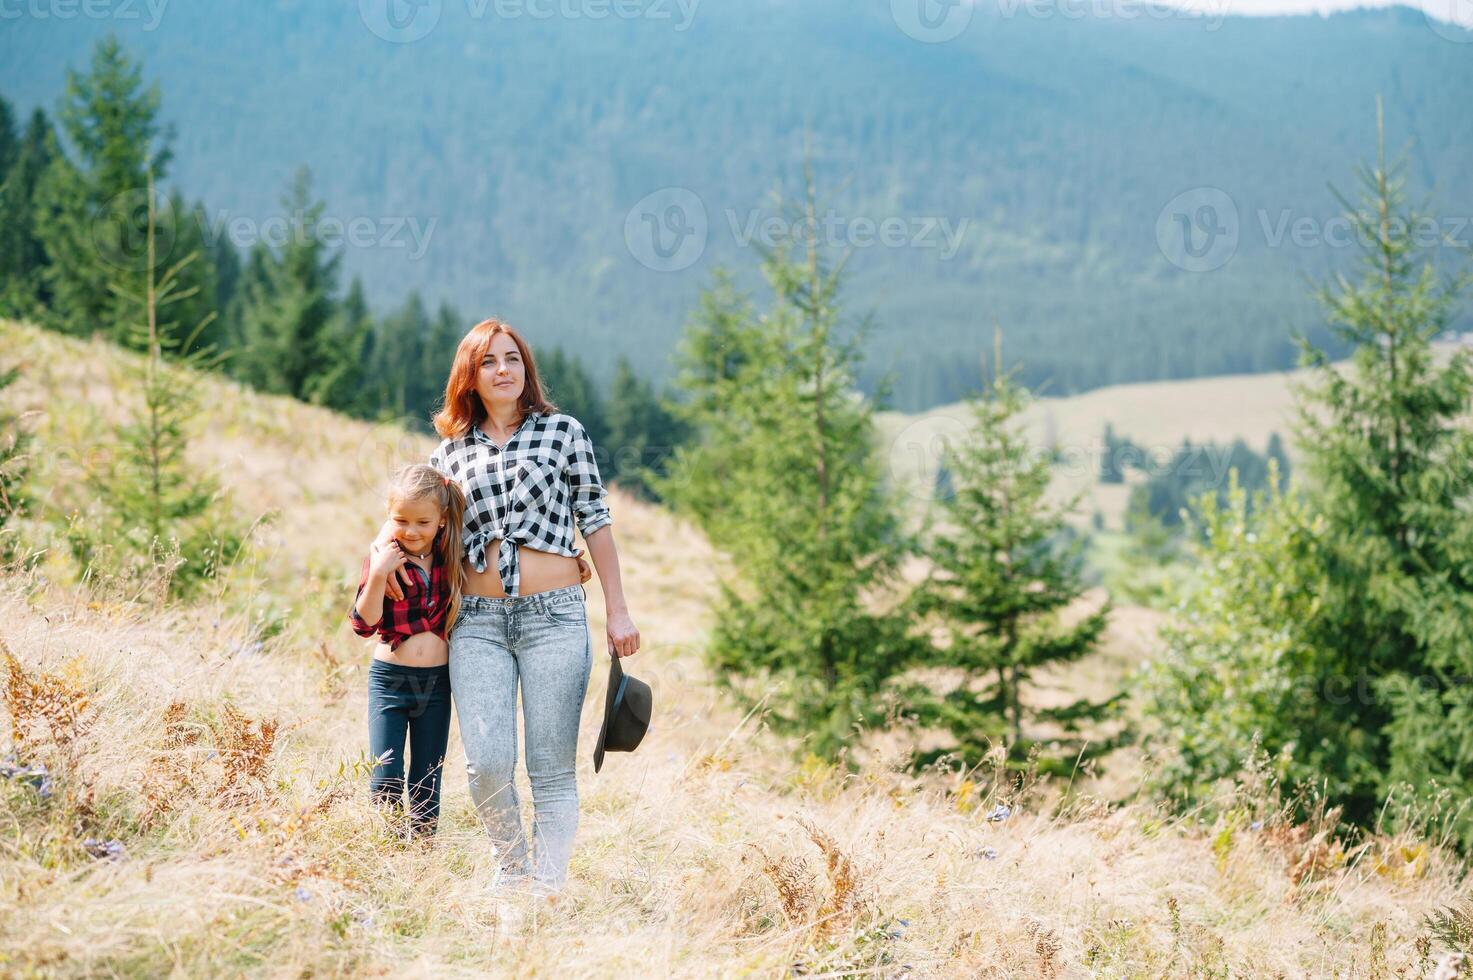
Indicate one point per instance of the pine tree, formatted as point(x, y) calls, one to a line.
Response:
point(1169, 494)
point(569, 384)
point(1336, 626)
point(724, 344)
point(1112, 468)
point(1390, 460)
point(1276, 452)
point(94, 212)
point(944, 486)
point(425, 371)
point(22, 256)
point(15, 443)
point(289, 308)
point(801, 511)
point(445, 332)
point(354, 392)
point(1148, 559)
point(224, 259)
point(347, 343)
point(1001, 578)
point(1238, 675)
point(642, 431)
point(9, 138)
point(399, 349)
point(195, 300)
point(156, 513)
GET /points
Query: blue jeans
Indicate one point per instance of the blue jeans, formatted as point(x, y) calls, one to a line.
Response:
point(414, 701)
point(540, 643)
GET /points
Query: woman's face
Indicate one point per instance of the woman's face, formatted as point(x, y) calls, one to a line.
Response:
point(502, 374)
point(416, 522)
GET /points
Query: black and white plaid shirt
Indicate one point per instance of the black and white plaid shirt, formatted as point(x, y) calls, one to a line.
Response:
point(529, 491)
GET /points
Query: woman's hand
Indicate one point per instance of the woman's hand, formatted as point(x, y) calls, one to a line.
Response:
point(623, 636)
point(399, 575)
point(584, 572)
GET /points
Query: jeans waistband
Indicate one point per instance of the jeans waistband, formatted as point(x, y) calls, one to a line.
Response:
point(537, 600)
point(394, 668)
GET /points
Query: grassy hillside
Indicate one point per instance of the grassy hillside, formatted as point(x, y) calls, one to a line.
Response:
point(227, 764)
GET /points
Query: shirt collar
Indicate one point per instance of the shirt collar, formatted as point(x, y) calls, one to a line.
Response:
point(481, 436)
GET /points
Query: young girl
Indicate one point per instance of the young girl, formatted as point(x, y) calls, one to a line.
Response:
point(409, 678)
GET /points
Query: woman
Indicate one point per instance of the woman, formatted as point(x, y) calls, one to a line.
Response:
point(529, 476)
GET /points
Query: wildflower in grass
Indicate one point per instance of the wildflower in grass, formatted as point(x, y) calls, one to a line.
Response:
point(36, 776)
point(990, 853)
point(112, 849)
point(999, 813)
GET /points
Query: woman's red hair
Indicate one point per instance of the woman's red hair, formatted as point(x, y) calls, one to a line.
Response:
point(463, 407)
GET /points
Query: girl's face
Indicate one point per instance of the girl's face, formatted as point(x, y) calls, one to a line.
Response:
point(502, 374)
point(415, 523)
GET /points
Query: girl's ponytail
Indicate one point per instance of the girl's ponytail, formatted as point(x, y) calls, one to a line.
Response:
point(450, 548)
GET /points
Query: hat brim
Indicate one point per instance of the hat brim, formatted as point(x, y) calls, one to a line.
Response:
point(616, 672)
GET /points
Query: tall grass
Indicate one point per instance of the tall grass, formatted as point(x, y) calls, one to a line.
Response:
point(186, 794)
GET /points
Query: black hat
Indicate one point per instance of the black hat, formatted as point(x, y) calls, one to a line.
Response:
point(626, 714)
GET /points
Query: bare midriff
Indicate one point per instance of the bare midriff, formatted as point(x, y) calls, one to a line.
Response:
point(540, 571)
point(419, 650)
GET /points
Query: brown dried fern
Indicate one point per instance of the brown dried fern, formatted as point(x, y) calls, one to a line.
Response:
point(170, 774)
point(846, 900)
point(245, 752)
point(58, 704)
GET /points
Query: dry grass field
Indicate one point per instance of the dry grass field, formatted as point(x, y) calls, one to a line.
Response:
point(186, 793)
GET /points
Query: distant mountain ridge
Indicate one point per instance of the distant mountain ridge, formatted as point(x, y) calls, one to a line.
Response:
point(582, 176)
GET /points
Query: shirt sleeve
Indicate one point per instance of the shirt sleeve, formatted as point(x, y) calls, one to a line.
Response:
point(437, 458)
point(590, 507)
point(360, 626)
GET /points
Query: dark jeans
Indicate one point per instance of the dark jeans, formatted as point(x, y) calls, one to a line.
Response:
point(415, 700)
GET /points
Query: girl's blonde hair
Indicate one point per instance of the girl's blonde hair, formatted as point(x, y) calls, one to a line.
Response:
point(419, 482)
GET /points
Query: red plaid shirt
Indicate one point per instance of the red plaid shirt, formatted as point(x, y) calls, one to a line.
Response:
point(421, 610)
